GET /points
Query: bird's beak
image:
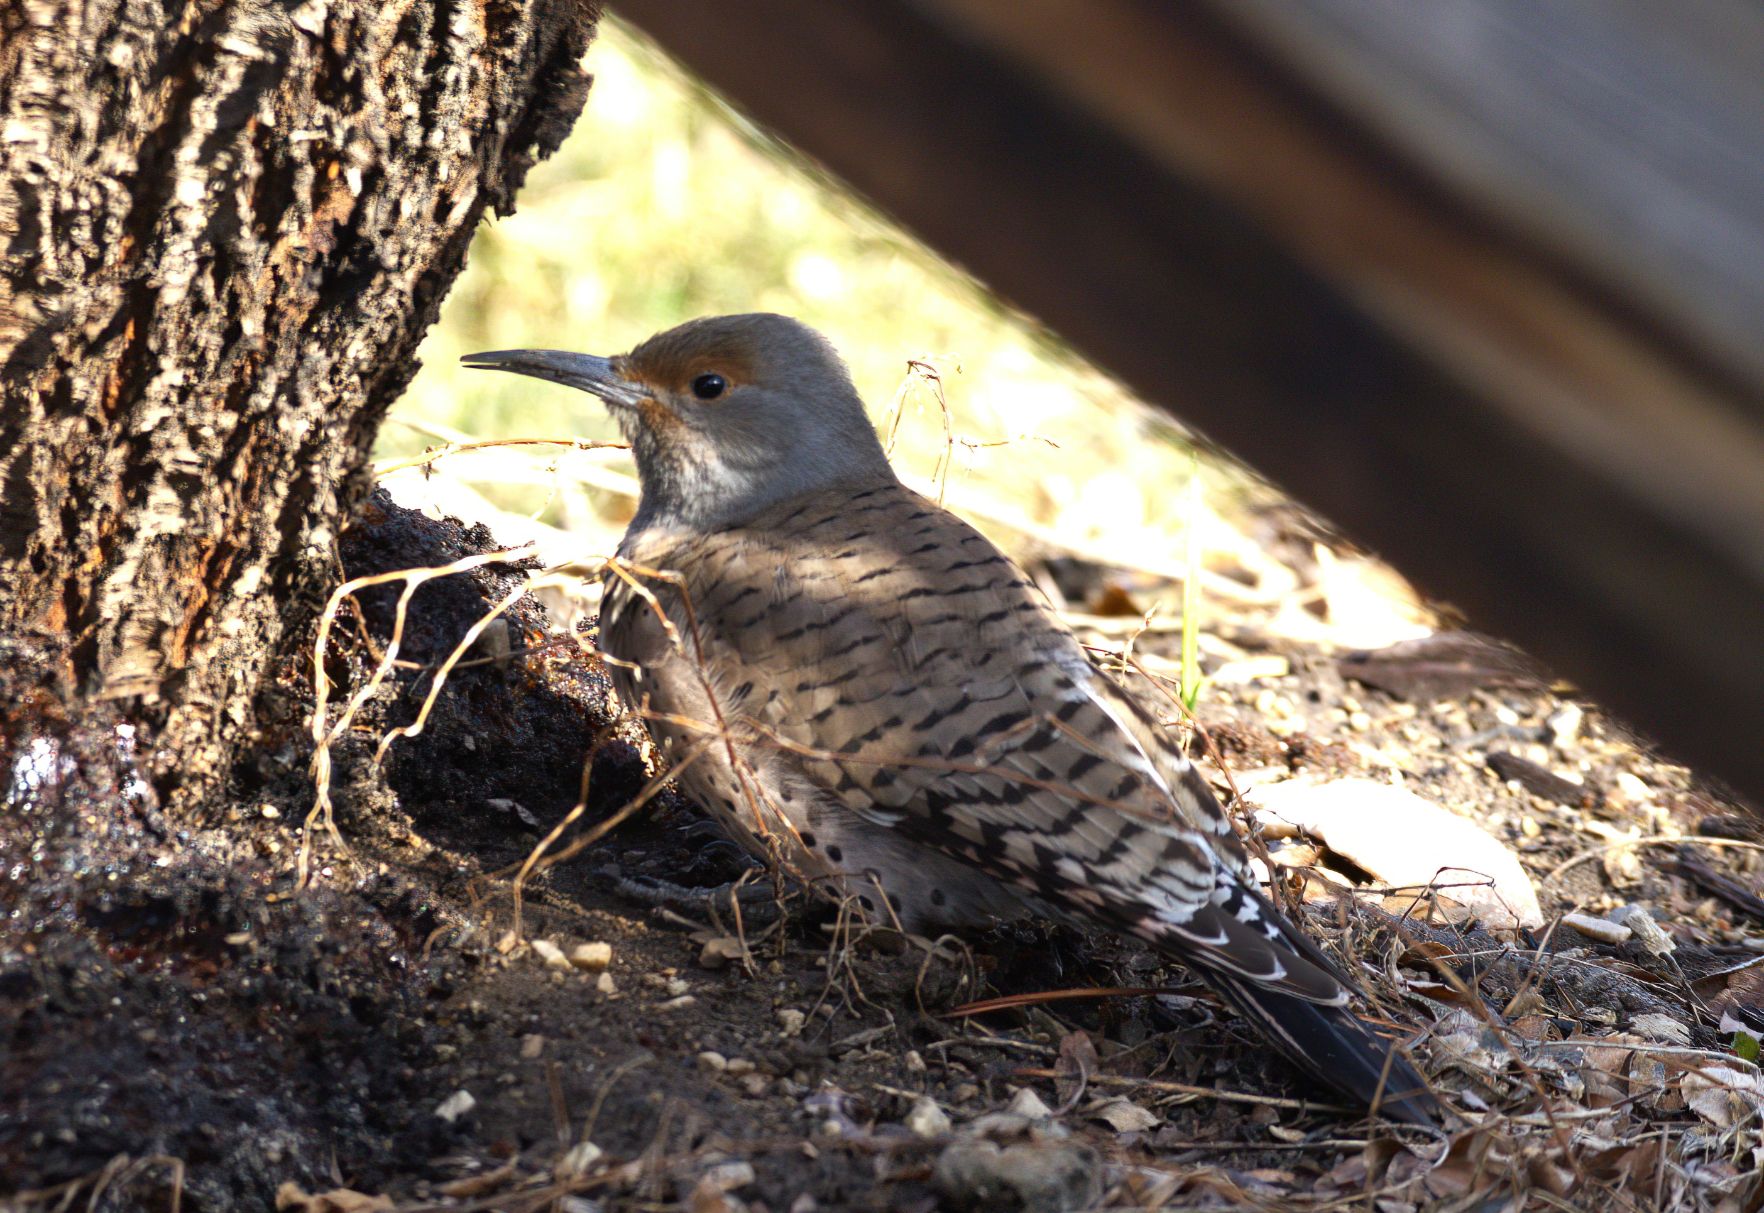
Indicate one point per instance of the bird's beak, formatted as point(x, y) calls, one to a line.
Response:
point(588, 372)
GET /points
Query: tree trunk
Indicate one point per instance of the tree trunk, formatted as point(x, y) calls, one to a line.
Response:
point(228, 224)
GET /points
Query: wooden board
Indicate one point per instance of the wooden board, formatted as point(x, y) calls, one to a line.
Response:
point(1479, 281)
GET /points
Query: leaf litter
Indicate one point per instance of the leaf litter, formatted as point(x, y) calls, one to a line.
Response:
point(691, 1056)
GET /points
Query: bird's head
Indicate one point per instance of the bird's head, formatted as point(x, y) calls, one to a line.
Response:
point(726, 415)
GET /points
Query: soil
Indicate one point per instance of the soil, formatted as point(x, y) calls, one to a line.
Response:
point(187, 1025)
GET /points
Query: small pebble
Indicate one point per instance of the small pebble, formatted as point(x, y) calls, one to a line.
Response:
point(740, 1067)
point(577, 1160)
point(791, 1021)
point(927, 1119)
point(1245, 670)
point(605, 984)
point(913, 1062)
point(712, 1062)
point(532, 1045)
point(1028, 1104)
point(675, 1004)
point(1601, 929)
point(455, 1106)
point(593, 957)
point(676, 987)
point(729, 1176)
point(755, 1084)
point(550, 954)
point(1564, 725)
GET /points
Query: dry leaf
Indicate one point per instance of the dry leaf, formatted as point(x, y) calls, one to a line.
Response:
point(291, 1198)
point(1744, 988)
point(1124, 1116)
point(1475, 1046)
point(1077, 1062)
point(1660, 1027)
point(1725, 1096)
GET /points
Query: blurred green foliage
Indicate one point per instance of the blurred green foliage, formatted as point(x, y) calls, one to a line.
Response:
point(662, 206)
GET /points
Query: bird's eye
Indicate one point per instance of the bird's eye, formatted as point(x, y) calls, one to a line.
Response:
point(709, 387)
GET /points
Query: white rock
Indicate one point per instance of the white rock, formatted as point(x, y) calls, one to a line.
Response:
point(1601, 929)
point(550, 954)
point(1564, 725)
point(1027, 1104)
point(579, 1159)
point(712, 1062)
point(1252, 669)
point(728, 1176)
point(455, 1106)
point(1404, 840)
point(790, 1021)
point(927, 1119)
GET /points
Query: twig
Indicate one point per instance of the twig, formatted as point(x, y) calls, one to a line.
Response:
point(1595, 852)
point(1182, 1088)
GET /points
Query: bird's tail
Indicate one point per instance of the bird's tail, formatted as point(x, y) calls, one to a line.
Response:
point(1334, 1046)
point(1286, 986)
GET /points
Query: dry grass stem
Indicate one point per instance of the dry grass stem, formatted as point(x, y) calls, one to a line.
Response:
point(385, 467)
point(324, 731)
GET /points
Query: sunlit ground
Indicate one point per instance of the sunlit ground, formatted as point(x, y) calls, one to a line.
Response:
point(662, 207)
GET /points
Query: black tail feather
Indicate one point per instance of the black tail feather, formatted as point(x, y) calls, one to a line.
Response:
point(1333, 1046)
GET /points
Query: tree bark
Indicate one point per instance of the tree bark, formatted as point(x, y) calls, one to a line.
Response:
point(227, 225)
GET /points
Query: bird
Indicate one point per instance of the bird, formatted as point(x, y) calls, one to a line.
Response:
point(862, 688)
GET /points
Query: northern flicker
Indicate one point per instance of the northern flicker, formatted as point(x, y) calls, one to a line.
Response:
point(862, 687)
